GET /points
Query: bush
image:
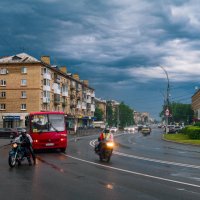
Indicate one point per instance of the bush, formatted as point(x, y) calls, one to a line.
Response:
point(193, 132)
point(197, 124)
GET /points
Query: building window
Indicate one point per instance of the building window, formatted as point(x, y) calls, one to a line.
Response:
point(23, 94)
point(23, 82)
point(3, 82)
point(2, 106)
point(23, 106)
point(23, 70)
point(47, 82)
point(3, 71)
point(3, 95)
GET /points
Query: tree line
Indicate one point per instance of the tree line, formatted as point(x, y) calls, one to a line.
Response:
point(116, 115)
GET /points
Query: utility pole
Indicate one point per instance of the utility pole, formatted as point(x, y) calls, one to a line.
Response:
point(166, 111)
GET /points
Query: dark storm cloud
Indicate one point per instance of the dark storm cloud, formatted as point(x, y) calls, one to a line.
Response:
point(121, 43)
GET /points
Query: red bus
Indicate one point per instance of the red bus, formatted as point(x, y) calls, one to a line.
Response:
point(47, 129)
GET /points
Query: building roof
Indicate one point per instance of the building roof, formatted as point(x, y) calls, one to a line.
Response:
point(18, 58)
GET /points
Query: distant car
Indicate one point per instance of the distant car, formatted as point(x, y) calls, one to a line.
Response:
point(146, 130)
point(113, 129)
point(173, 129)
point(131, 129)
point(8, 133)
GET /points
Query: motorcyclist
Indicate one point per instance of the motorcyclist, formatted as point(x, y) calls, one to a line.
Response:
point(106, 135)
point(26, 141)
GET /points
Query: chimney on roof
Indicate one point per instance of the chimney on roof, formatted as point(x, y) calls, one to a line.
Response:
point(85, 82)
point(76, 76)
point(63, 69)
point(45, 59)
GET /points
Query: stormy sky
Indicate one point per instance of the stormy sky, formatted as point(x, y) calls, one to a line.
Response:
point(118, 46)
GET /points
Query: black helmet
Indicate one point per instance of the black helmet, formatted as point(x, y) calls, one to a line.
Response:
point(107, 130)
point(23, 132)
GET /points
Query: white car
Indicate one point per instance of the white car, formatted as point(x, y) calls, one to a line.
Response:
point(113, 129)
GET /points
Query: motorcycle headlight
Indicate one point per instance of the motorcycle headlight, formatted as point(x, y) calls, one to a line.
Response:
point(14, 145)
point(110, 144)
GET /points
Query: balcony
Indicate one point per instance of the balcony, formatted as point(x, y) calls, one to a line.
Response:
point(93, 94)
point(47, 76)
point(78, 106)
point(65, 94)
point(72, 86)
point(64, 103)
point(89, 100)
point(72, 96)
point(56, 99)
point(46, 88)
point(46, 100)
point(93, 108)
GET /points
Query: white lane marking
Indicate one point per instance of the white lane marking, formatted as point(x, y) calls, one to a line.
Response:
point(92, 143)
point(132, 172)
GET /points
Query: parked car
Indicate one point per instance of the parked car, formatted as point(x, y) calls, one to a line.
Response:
point(146, 130)
point(8, 132)
point(174, 129)
point(113, 129)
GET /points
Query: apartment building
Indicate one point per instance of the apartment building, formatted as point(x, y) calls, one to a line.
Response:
point(28, 84)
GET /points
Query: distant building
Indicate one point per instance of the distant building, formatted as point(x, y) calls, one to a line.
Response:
point(28, 84)
point(101, 104)
point(141, 117)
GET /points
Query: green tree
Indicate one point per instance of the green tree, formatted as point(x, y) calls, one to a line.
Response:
point(179, 112)
point(98, 114)
point(109, 114)
point(125, 115)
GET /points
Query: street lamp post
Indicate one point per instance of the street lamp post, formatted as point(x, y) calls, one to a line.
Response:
point(166, 113)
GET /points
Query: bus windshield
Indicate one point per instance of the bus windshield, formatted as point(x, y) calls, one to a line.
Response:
point(47, 123)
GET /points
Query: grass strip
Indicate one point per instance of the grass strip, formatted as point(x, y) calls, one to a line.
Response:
point(181, 138)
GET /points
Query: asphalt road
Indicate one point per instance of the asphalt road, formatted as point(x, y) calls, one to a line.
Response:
point(142, 167)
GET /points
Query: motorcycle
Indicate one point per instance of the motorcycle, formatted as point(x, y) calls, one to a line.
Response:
point(105, 151)
point(17, 154)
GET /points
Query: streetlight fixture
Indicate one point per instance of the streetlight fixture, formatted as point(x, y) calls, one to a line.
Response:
point(166, 111)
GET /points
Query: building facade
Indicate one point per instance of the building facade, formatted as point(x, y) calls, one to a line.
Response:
point(28, 84)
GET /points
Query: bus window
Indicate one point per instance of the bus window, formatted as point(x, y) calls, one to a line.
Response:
point(56, 122)
point(39, 123)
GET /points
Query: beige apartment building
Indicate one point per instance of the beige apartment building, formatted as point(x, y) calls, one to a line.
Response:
point(28, 84)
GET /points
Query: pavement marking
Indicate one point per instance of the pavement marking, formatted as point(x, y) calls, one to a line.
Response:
point(133, 172)
point(92, 143)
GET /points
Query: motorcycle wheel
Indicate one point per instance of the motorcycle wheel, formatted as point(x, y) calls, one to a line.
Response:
point(108, 158)
point(100, 157)
point(12, 161)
